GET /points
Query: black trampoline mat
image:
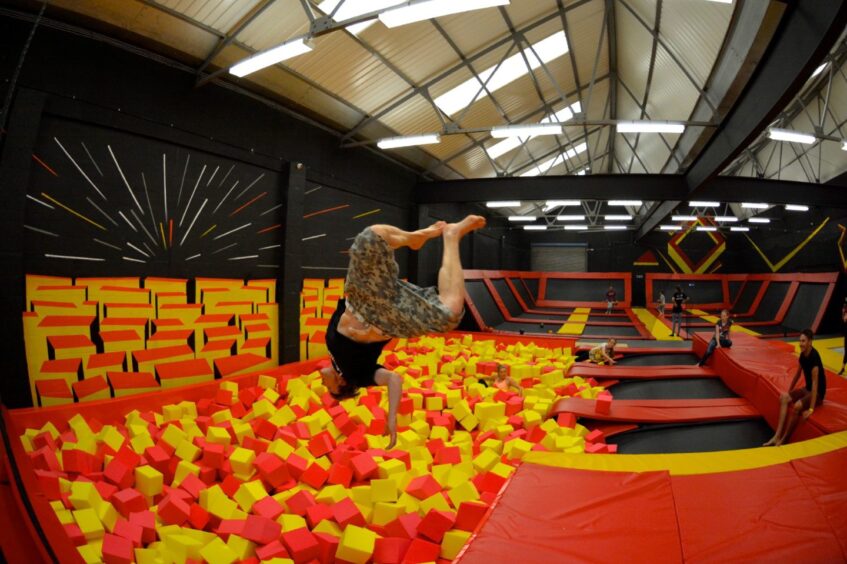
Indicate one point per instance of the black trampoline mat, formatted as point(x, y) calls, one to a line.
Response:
point(664, 359)
point(608, 318)
point(506, 296)
point(611, 330)
point(531, 316)
point(672, 388)
point(697, 437)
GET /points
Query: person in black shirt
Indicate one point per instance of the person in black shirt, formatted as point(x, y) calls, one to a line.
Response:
point(803, 400)
point(679, 297)
point(378, 306)
point(721, 337)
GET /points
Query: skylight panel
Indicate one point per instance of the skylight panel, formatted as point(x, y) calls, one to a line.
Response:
point(352, 8)
point(510, 143)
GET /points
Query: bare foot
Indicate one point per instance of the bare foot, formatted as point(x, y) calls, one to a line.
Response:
point(421, 236)
point(771, 442)
point(462, 228)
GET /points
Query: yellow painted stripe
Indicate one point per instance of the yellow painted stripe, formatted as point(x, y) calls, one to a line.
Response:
point(680, 262)
point(654, 324)
point(716, 252)
point(831, 358)
point(76, 213)
point(575, 324)
point(714, 319)
point(367, 213)
point(684, 464)
point(776, 267)
point(164, 239)
point(209, 230)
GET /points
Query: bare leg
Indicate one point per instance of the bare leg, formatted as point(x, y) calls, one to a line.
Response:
point(451, 281)
point(793, 420)
point(783, 411)
point(396, 237)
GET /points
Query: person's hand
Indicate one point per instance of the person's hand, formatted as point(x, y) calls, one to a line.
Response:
point(391, 431)
point(808, 413)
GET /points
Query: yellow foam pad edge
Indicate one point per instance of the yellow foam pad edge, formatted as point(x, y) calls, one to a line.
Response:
point(685, 464)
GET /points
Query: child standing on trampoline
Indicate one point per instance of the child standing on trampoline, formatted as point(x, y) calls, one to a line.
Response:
point(379, 306)
point(611, 299)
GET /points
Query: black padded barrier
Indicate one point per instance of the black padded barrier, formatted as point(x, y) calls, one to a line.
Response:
point(484, 302)
point(747, 297)
point(808, 302)
point(771, 301)
point(582, 290)
point(522, 291)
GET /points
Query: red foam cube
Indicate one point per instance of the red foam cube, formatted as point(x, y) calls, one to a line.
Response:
point(75, 534)
point(345, 512)
point(147, 521)
point(327, 547)
point(603, 403)
point(436, 523)
point(173, 511)
point(405, 526)
point(261, 530)
point(423, 487)
point(317, 513)
point(198, 517)
point(314, 476)
point(470, 515)
point(421, 550)
point(301, 544)
point(448, 455)
point(300, 502)
point(566, 420)
point(296, 465)
point(391, 550)
point(340, 474)
point(133, 533)
point(119, 474)
point(364, 467)
point(213, 455)
point(321, 444)
point(268, 507)
point(595, 436)
point(273, 549)
point(117, 550)
point(129, 501)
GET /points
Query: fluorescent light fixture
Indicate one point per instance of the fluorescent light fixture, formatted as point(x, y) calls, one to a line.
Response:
point(844, 145)
point(528, 130)
point(534, 171)
point(726, 218)
point(509, 143)
point(818, 70)
point(644, 126)
point(353, 8)
point(574, 217)
point(558, 203)
point(625, 202)
point(703, 204)
point(796, 207)
point(623, 217)
point(706, 228)
point(582, 172)
point(271, 57)
point(742, 229)
point(535, 227)
point(683, 217)
point(792, 136)
point(614, 227)
point(433, 9)
point(755, 205)
point(576, 227)
point(759, 220)
point(522, 218)
point(503, 204)
point(670, 228)
point(511, 69)
point(722, 1)
point(408, 141)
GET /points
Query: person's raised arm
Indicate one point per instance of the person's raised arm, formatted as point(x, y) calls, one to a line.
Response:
point(814, 398)
point(394, 383)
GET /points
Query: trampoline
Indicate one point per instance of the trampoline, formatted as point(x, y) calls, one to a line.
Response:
point(664, 359)
point(582, 289)
point(514, 308)
point(698, 437)
point(672, 388)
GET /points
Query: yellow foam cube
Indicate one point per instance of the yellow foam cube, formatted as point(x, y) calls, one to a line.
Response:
point(217, 552)
point(435, 501)
point(188, 451)
point(141, 442)
point(183, 469)
point(485, 460)
point(517, 448)
point(182, 547)
point(492, 444)
point(453, 542)
point(465, 491)
point(434, 403)
point(84, 495)
point(171, 412)
point(112, 437)
point(331, 494)
point(361, 495)
point(267, 382)
point(328, 527)
point(91, 553)
point(291, 522)
point(65, 517)
point(530, 418)
point(89, 523)
point(148, 480)
point(242, 547)
point(108, 515)
point(388, 468)
point(221, 416)
point(218, 435)
point(356, 545)
point(502, 470)
point(241, 460)
point(383, 490)
point(80, 426)
point(469, 422)
point(249, 493)
point(385, 512)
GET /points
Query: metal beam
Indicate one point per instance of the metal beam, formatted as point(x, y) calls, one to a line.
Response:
point(611, 33)
point(807, 32)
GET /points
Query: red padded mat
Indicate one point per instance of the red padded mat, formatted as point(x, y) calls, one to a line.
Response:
point(549, 515)
point(825, 478)
point(660, 411)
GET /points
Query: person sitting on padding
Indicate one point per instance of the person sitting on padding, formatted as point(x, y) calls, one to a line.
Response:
point(721, 337)
point(501, 380)
point(604, 352)
point(803, 401)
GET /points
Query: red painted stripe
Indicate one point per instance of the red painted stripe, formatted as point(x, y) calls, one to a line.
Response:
point(308, 215)
point(42, 163)
point(171, 232)
point(271, 228)
point(259, 197)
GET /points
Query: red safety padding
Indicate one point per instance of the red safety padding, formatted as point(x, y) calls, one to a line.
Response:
point(640, 372)
point(825, 481)
point(562, 515)
point(760, 515)
point(660, 411)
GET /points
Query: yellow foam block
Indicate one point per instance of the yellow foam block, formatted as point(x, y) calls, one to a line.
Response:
point(141, 442)
point(469, 422)
point(242, 547)
point(331, 494)
point(218, 435)
point(385, 512)
point(89, 523)
point(221, 416)
point(383, 490)
point(465, 491)
point(280, 448)
point(148, 480)
point(241, 460)
point(492, 444)
point(217, 552)
point(434, 403)
point(108, 515)
point(84, 495)
point(517, 448)
point(328, 527)
point(502, 470)
point(249, 493)
point(91, 553)
point(388, 468)
point(112, 437)
point(485, 460)
point(188, 451)
point(453, 542)
point(291, 522)
point(435, 501)
point(183, 469)
point(182, 547)
point(356, 545)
